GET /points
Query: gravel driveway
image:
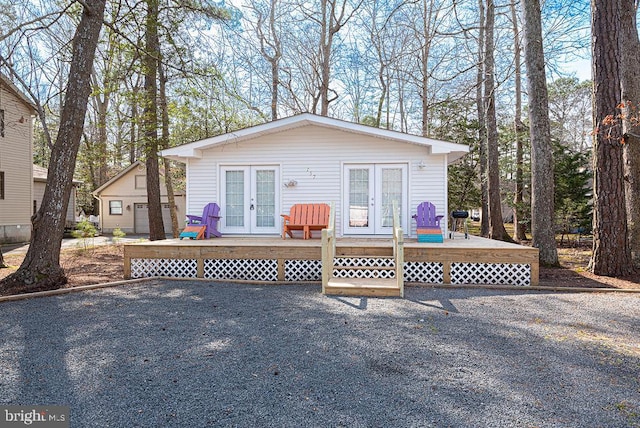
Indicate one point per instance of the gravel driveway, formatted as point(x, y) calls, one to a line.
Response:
point(193, 354)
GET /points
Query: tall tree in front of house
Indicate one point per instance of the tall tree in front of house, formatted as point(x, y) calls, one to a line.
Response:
point(40, 269)
point(518, 128)
point(611, 254)
point(496, 224)
point(150, 60)
point(542, 215)
point(482, 129)
point(168, 179)
point(629, 48)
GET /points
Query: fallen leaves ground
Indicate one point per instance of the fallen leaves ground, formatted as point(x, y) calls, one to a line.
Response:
point(95, 265)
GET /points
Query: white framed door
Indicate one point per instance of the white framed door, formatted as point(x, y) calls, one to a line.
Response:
point(249, 199)
point(369, 192)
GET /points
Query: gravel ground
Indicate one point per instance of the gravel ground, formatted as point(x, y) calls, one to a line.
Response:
point(192, 354)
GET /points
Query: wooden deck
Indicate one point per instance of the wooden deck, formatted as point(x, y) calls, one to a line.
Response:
point(271, 259)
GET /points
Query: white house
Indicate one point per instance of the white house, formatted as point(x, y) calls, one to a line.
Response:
point(256, 174)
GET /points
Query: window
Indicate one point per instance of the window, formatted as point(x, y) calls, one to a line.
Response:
point(115, 207)
point(141, 181)
point(2, 124)
point(1, 184)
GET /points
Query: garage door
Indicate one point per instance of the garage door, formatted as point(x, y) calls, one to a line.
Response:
point(142, 218)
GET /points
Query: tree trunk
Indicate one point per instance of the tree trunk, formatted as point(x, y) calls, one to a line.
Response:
point(425, 52)
point(629, 47)
point(150, 118)
point(542, 207)
point(2, 263)
point(100, 149)
point(518, 215)
point(611, 254)
point(168, 182)
point(41, 268)
point(482, 129)
point(496, 224)
point(133, 138)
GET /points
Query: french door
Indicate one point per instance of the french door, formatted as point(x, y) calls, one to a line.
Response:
point(249, 199)
point(369, 192)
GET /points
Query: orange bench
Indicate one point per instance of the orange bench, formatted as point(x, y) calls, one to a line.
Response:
point(305, 217)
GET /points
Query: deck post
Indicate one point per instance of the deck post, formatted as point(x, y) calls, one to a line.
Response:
point(399, 260)
point(127, 263)
point(328, 248)
point(535, 272)
point(446, 272)
point(200, 268)
point(325, 259)
point(281, 270)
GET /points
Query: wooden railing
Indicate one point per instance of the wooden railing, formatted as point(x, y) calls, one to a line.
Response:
point(328, 248)
point(398, 248)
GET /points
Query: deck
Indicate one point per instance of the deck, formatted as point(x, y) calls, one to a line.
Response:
point(274, 260)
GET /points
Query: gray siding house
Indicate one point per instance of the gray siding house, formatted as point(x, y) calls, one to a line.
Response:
point(16, 160)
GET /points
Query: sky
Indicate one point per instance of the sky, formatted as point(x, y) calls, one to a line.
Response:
point(581, 68)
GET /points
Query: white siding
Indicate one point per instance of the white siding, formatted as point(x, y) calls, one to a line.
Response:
point(314, 156)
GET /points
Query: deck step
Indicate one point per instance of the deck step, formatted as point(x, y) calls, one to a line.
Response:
point(357, 256)
point(337, 267)
point(378, 287)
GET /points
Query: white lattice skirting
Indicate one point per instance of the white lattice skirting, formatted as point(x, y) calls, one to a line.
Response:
point(490, 273)
point(249, 270)
point(311, 270)
point(425, 272)
point(302, 270)
point(174, 268)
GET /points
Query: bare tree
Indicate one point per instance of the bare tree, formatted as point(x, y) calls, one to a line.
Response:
point(429, 13)
point(542, 215)
point(40, 269)
point(611, 254)
point(270, 46)
point(331, 17)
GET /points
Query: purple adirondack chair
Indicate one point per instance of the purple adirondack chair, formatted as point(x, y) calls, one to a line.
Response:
point(210, 217)
point(426, 217)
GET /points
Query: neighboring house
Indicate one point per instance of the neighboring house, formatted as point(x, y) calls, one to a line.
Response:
point(39, 184)
point(258, 173)
point(16, 160)
point(123, 202)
